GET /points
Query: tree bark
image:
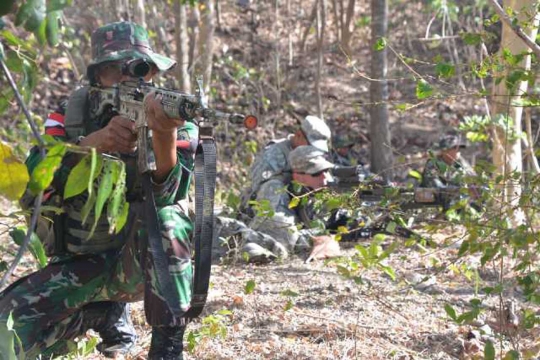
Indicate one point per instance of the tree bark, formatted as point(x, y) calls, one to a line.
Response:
point(346, 32)
point(206, 42)
point(381, 144)
point(180, 21)
point(321, 20)
point(140, 15)
point(193, 28)
point(507, 151)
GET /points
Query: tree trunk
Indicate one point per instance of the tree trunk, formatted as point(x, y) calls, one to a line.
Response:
point(139, 13)
point(311, 19)
point(346, 32)
point(193, 28)
point(206, 42)
point(218, 14)
point(182, 58)
point(381, 144)
point(507, 152)
point(321, 20)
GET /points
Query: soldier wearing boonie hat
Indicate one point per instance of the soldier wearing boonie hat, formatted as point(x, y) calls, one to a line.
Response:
point(446, 167)
point(124, 41)
point(88, 288)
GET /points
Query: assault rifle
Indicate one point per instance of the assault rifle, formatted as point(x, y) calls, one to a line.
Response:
point(127, 99)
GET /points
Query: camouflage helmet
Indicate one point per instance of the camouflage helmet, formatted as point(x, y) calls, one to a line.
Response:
point(124, 40)
point(307, 159)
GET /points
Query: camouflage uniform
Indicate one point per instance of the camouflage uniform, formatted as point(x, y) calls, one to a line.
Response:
point(51, 305)
point(438, 174)
point(271, 175)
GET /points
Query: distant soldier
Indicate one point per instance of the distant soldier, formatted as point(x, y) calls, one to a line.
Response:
point(445, 166)
point(342, 153)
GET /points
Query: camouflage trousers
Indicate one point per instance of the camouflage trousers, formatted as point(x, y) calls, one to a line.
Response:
point(48, 305)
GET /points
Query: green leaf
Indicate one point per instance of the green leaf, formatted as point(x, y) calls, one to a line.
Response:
point(108, 178)
point(380, 44)
point(35, 246)
point(118, 201)
point(250, 286)
point(423, 89)
point(489, 351)
point(445, 70)
point(13, 174)
point(471, 38)
point(2, 53)
point(415, 174)
point(88, 206)
point(294, 202)
point(41, 32)
point(52, 27)
point(122, 219)
point(14, 61)
point(450, 311)
point(511, 355)
point(7, 342)
point(43, 174)
point(31, 14)
point(79, 176)
point(289, 305)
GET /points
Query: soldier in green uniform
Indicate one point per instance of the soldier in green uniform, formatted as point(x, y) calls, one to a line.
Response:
point(58, 303)
point(446, 167)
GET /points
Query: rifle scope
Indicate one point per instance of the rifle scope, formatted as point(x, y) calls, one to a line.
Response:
point(138, 68)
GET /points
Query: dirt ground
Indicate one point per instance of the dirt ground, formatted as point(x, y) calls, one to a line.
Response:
point(310, 311)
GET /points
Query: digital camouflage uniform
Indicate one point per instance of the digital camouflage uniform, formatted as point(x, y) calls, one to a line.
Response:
point(271, 175)
point(50, 306)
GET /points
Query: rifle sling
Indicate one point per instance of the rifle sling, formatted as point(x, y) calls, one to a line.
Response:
point(155, 246)
point(205, 184)
point(205, 181)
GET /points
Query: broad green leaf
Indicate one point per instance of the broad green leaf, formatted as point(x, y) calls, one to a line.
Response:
point(32, 14)
point(415, 174)
point(450, 311)
point(43, 174)
point(13, 174)
point(55, 5)
point(511, 355)
point(106, 181)
point(35, 246)
point(294, 202)
point(122, 219)
point(14, 61)
point(52, 27)
point(445, 70)
point(489, 351)
point(17, 42)
point(118, 200)
point(79, 176)
point(471, 38)
point(250, 286)
point(41, 32)
point(7, 342)
point(380, 44)
point(93, 165)
point(423, 89)
point(88, 206)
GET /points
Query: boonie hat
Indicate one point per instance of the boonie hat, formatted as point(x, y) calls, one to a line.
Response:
point(307, 159)
point(316, 131)
point(124, 40)
point(342, 141)
point(449, 141)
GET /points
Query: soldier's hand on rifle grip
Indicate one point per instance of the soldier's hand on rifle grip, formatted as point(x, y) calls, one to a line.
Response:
point(157, 119)
point(118, 136)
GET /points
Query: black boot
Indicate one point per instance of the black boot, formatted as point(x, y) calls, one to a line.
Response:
point(167, 343)
point(112, 321)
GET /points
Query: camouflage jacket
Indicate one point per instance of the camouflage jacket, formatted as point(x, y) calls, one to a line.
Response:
point(173, 189)
point(273, 163)
point(438, 174)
